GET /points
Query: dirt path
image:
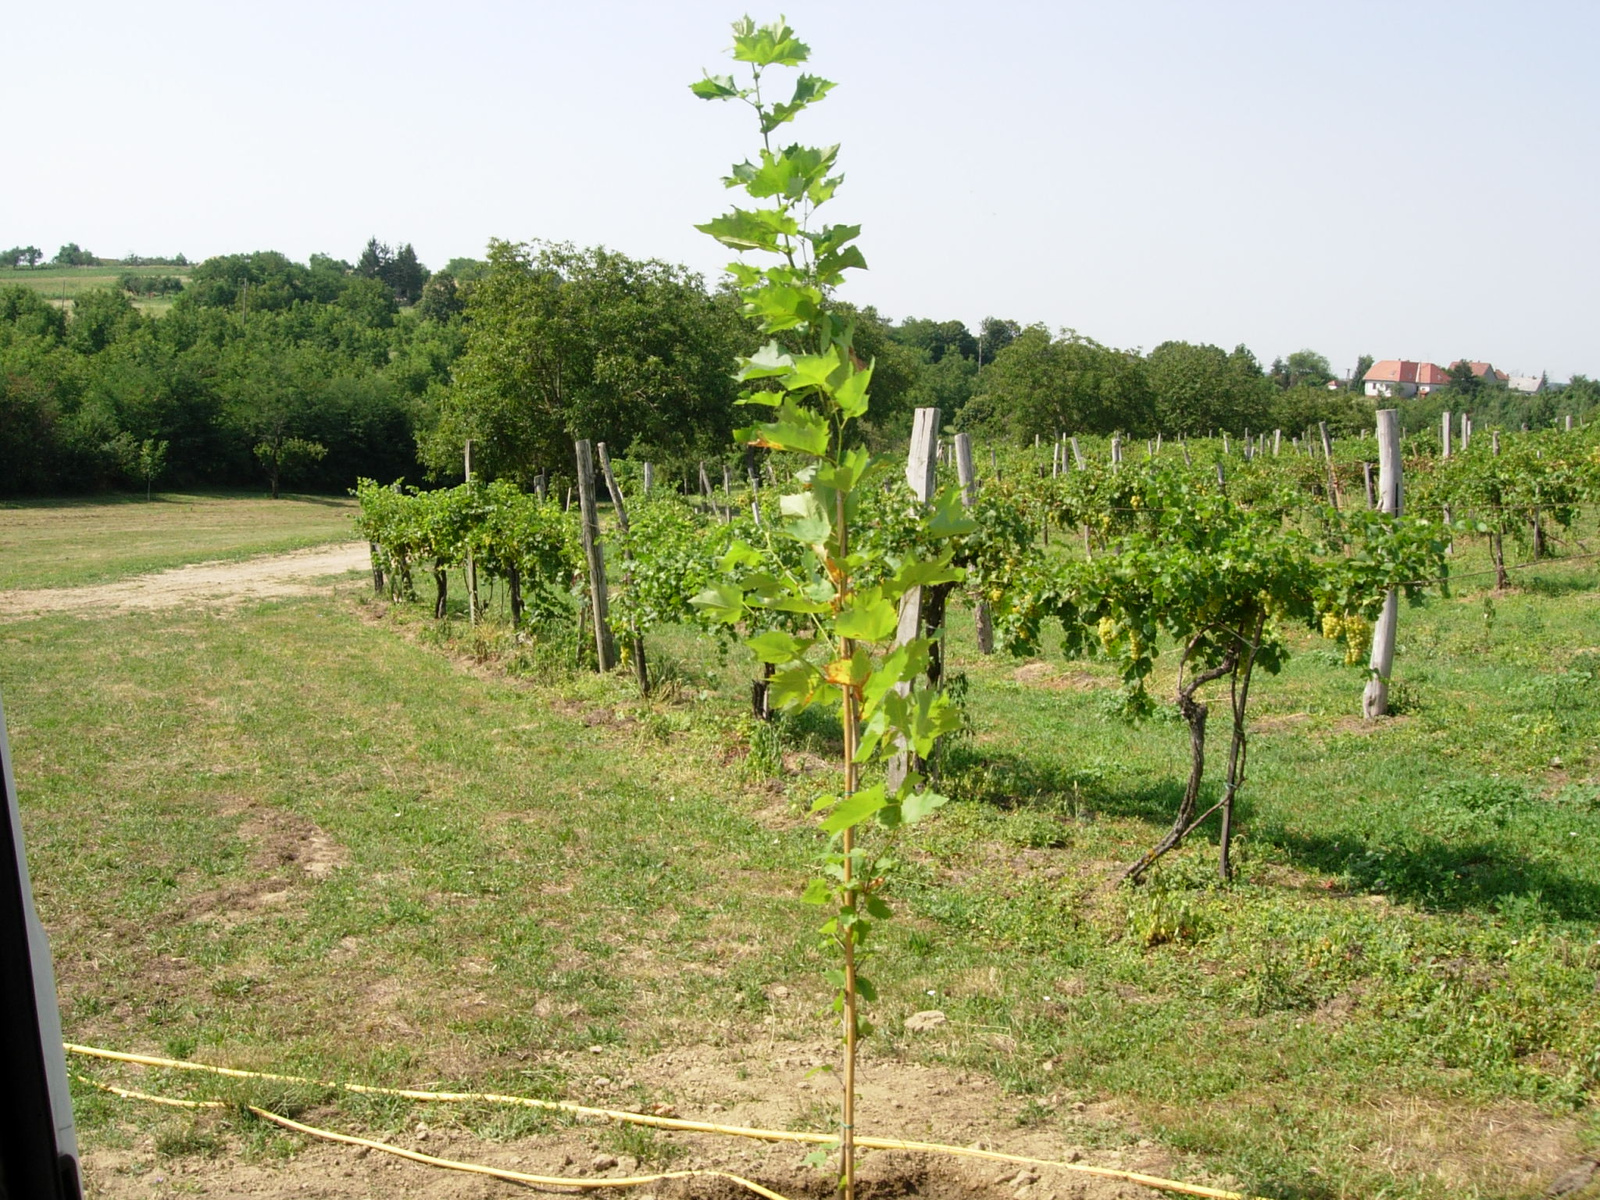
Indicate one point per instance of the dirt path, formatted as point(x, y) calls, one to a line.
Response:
point(295, 574)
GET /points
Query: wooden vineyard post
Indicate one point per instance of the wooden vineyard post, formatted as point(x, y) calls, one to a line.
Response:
point(982, 621)
point(1568, 427)
point(1116, 451)
point(649, 477)
point(472, 566)
point(1184, 442)
point(1225, 450)
point(595, 558)
point(640, 670)
point(1158, 442)
point(1366, 477)
point(1077, 455)
point(1327, 456)
point(754, 478)
point(1375, 699)
point(1444, 434)
point(922, 478)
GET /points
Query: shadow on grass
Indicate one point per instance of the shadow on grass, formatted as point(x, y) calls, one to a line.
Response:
point(1555, 586)
point(1469, 875)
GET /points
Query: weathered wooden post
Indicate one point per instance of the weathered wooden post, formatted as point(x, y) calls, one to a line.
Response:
point(472, 566)
point(1116, 451)
point(1222, 482)
point(640, 671)
point(1158, 441)
point(982, 621)
point(649, 477)
point(1444, 434)
point(921, 476)
point(1184, 443)
point(1077, 454)
point(1569, 423)
point(1225, 450)
point(595, 558)
point(1375, 699)
point(1366, 478)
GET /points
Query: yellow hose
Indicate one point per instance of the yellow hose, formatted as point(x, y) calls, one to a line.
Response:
point(449, 1164)
point(673, 1123)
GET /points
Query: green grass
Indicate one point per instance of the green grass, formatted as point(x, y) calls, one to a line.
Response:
point(66, 543)
point(63, 284)
point(521, 858)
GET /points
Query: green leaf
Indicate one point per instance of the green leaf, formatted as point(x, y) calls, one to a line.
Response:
point(823, 371)
point(806, 520)
point(768, 45)
point(792, 688)
point(779, 308)
point(740, 554)
point(776, 646)
point(745, 230)
point(949, 517)
point(715, 87)
point(870, 618)
point(920, 805)
point(922, 572)
point(877, 908)
point(766, 362)
point(851, 395)
point(864, 988)
point(721, 602)
point(818, 891)
point(795, 428)
point(834, 976)
point(853, 810)
point(808, 89)
point(901, 665)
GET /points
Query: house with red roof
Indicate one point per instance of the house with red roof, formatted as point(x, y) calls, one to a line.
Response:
point(1483, 371)
point(1401, 377)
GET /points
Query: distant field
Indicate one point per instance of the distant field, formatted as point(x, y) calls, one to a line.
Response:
point(64, 283)
point(66, 543)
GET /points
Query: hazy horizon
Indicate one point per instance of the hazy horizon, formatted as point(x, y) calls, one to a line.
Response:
point(1353, 179)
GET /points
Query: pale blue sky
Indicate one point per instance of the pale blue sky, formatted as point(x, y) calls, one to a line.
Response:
point(1410, 180)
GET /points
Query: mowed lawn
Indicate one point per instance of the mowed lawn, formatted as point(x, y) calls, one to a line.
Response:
point(66, 543)
point(314, 835)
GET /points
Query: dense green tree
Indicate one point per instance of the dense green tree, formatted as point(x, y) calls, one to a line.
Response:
point(1202, 388)
point(1464, 385)
point(937, 338)
point(265, 281)
point(100, 316)
point(565, 343)
point(1039, 384)
point(994, 335)
point(71, 255)
point(28, 314)
point(441, 298)
point(1303, 367)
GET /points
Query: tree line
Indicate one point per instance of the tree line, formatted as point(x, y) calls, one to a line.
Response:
point(269, 372)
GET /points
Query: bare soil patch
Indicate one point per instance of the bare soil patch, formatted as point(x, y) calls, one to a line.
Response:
point(297, 573)
point(770, 1087)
